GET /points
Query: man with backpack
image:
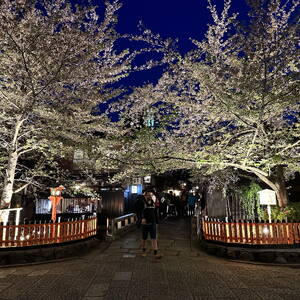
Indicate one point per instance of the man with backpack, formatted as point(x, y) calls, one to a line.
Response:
point(149, 225)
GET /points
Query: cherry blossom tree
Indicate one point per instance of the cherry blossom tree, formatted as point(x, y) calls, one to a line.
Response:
point(239, 93)
point(236, 96)
point(56, 63)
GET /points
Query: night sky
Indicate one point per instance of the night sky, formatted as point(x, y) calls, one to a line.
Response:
point(170, 18)
point(177, 19)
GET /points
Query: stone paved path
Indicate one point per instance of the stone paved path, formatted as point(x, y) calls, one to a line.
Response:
point(117, 271)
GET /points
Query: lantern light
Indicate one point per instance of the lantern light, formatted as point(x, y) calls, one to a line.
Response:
point(265, 230)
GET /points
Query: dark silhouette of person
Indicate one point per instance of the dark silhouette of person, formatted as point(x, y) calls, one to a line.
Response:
point(139, 207)
point(149, 226)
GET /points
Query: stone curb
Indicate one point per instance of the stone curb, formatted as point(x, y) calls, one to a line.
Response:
point(48, 253)
point(40, 262)
point(257, 263)
point(269, 256)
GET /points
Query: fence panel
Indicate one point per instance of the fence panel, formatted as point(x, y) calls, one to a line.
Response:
point(41, 234)
point(251, 233)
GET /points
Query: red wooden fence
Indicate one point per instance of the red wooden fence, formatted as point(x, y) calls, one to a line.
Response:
point(50, 233)
point(251, 233)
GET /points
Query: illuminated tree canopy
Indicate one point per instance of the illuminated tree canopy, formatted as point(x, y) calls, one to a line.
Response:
point(237, 95)
point(56, 63)
point(231, 102)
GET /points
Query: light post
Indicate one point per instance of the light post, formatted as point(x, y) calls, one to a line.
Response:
point(55, 198)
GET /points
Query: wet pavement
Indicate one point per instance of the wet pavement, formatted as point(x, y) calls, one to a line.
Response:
point(118, 271)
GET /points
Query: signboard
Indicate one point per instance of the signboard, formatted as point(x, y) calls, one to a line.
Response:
point(78, 154)
point(80, 157)
point(147, 179)
point(137, 180)
point(267, 197)
point(134, 189)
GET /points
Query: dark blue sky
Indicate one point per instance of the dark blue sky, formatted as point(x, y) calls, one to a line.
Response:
point(182, 19)
point(171, 18)
point(177, 19)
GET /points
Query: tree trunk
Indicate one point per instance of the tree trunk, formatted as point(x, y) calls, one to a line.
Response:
point(9, 180)
point(281, 191)
point(281, 194)
point(13, 156)
point(277, 184)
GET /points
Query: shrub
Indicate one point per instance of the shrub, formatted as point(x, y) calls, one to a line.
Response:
point(249, 199)
point(279, 214)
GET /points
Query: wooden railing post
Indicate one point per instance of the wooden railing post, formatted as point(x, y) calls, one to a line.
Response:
point(296, 232)
point(290, 233)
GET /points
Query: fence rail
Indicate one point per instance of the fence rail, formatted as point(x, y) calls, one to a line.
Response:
point(49, 233)
point(251, 233)
point(118, 224)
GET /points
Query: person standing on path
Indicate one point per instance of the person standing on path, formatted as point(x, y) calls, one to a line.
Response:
point(149, 225)
point(139, 208)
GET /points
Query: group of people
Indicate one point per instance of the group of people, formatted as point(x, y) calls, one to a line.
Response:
point(183, 205)
point(150, 208)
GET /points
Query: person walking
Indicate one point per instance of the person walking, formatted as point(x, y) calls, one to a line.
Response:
point(156, 200)
point(183, 203)
point(192, 199)
point(163, 206)
point(138, 208)
point(172, 204)
point(149, 226)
